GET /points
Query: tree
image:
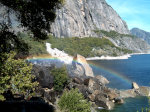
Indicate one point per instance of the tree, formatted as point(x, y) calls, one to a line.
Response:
point(73, 101)
point(16, 77)
point(60, 78)
point(35, 15)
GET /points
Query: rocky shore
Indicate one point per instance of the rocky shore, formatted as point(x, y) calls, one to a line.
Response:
point(92, 87)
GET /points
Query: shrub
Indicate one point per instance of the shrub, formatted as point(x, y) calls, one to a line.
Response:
point(15, 76)
point(73, 101)
point(60, 78)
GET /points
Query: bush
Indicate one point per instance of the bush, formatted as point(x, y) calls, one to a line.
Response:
point(60, 78)
point(15, 76)
point(73, 101)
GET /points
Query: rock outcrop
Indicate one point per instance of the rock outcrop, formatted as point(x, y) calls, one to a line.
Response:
point(141, 91)
point(79, 18)
point(135, 85)
point(80, 67)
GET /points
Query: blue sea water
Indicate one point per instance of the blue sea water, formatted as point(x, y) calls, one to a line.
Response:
point(121, 74)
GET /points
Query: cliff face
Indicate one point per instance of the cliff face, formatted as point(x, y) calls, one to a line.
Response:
point(141, 34)
point(79, 18)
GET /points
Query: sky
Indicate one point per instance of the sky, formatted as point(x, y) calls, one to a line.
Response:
point(136, 13)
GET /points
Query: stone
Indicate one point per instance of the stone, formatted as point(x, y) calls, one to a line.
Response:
point(80, 67)
point(43, 76)
point(77, 80)
point(101, 101)
point(93, 85)
point(81, 18)
point(102, 79)
point(135, 85)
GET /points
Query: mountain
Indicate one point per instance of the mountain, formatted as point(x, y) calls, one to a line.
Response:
point(79, 18)
point(90, 18)
point(141, 34)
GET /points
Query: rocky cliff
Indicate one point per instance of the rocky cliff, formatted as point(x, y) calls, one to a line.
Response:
point(79, 18)
point(141, 34)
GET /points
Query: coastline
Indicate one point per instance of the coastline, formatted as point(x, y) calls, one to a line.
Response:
point(126, 56)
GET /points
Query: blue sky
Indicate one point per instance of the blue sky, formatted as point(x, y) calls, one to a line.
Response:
point(135, 12)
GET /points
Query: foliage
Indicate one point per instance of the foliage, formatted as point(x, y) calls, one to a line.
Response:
point(60, 78)
point(112, 34)
point(15, 76)
point(35, 47)
point(73, 101)
point(9, 41)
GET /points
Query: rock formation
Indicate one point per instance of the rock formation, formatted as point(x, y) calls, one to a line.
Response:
point(80, 67)
point(79, 18)
point(135, 85)
point(141, 91)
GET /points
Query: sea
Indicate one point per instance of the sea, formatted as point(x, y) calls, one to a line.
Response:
point(121, 73)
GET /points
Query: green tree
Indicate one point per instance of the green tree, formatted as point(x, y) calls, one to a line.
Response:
point(15, 76)
point(60, 78)
point(73, 101)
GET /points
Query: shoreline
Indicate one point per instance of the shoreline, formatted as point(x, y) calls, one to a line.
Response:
point(126, 56)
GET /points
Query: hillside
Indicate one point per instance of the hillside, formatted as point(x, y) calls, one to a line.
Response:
point(141, 34)
point(111, 44)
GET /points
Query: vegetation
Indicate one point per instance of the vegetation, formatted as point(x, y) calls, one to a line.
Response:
point(60, 78)
point(112, 34)
point(73, 101)
point(35, 47)
point(72, 46)
point(15, 76)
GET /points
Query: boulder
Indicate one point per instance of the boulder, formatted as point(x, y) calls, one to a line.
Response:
point(43, 76)
point(80, 67)
point(135, 85)
point(102, 101)
point(102, 79)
